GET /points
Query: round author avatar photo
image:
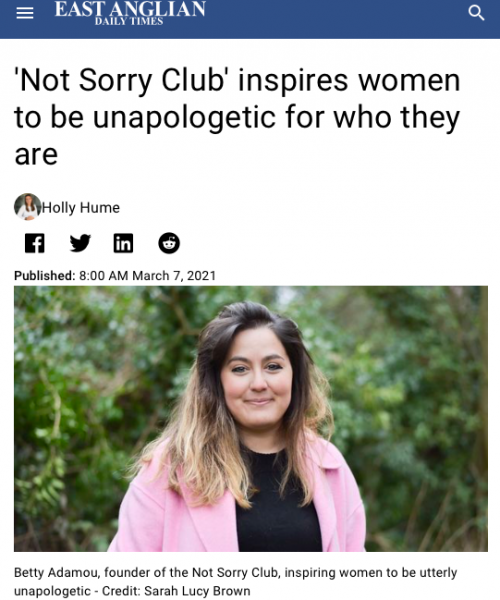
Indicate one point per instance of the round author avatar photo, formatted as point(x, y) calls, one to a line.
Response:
point(242, 465)
point(27, 207)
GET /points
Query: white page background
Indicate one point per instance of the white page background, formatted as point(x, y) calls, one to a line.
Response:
point(263, 207)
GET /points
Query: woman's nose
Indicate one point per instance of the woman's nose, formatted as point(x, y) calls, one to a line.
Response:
point(259, 382)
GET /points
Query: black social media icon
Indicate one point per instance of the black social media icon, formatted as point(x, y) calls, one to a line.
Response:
point(79, 244)
point(169, 243)
point(123, 243)
point(34, 243)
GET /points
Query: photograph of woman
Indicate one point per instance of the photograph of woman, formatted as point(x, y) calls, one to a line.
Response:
point(27, 210)
point(242, 465)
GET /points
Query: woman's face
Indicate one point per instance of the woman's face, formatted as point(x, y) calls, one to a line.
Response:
point(28, 200)
point(257, 380)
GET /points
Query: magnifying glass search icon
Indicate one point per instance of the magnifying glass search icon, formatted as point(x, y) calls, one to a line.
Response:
point(475, 14)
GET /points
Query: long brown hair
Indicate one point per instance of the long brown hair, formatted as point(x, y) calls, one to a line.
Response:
point(29, 207)
point(201, 445)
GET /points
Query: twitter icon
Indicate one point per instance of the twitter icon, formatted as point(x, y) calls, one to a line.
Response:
point(79, 244)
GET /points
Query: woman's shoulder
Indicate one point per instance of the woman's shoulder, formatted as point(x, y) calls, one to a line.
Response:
point(152, 477)
point(328, 457)
point(324, 453)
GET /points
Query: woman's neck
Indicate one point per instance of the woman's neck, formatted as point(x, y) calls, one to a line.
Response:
point(263, 442)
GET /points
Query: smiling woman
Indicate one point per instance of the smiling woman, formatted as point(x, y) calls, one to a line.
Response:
point(257, 381)
point(241, 466)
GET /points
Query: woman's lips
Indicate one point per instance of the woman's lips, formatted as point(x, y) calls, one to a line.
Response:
point(259, 401)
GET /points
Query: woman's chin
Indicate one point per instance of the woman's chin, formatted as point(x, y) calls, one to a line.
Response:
point(261, 424)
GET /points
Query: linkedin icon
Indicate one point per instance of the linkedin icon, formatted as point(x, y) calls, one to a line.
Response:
point(123, 243)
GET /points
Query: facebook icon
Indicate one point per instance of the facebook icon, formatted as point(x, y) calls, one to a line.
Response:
point(34, 242)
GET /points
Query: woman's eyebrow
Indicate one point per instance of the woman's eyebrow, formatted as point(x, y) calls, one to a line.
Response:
point(238, 359)
point(245, 360)
point(272, 357)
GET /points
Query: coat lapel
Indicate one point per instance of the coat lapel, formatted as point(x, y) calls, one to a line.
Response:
point(325, 509)
point(321, 459)
point(215, 524)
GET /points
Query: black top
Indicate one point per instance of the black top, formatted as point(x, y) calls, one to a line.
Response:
point(275, 524)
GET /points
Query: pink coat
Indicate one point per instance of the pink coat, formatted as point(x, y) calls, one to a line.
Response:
point(156, 519)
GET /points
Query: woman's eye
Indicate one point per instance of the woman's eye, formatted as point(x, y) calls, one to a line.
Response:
point(274, 367)
point(238, 370)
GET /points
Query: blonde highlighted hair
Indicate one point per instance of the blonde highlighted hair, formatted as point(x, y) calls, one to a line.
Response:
point(200, 445)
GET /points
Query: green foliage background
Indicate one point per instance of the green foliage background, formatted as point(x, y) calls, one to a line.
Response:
point(98, 369)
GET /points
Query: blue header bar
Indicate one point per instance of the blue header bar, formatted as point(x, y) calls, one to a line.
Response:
point(249, 19)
